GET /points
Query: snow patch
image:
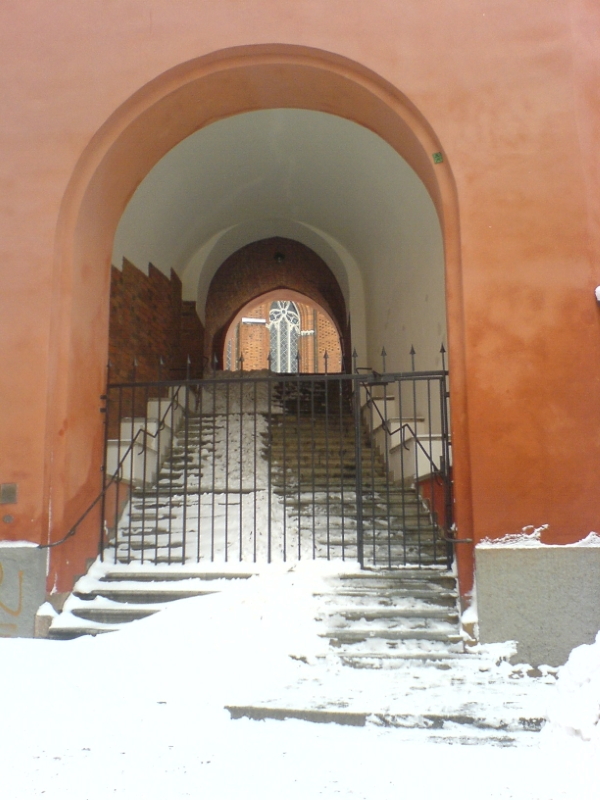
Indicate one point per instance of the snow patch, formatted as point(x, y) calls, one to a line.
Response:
point(528, 537)
point(21, 543)
point(575, 709)
point(531, 537)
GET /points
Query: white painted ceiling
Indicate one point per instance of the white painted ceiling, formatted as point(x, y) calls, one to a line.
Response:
point(314, 177)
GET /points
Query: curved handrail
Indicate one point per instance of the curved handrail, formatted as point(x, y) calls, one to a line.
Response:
point(437, 472)
point(113, 478)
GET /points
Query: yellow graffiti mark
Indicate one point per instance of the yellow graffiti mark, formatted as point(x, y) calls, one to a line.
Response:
point(7, 629)
point(14, 612)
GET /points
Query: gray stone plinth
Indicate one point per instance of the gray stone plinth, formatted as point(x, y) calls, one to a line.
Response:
point(22, 587)
point(545, 597)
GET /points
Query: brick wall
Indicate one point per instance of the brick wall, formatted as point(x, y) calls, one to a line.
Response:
point(253, 341)
point(149, 321)
point(262, 267)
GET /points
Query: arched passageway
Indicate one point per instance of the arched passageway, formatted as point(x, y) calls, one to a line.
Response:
point(268, 270)
point(375, 244)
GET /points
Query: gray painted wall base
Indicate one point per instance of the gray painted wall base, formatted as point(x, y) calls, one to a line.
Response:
point(22, 587)
point(545, 597)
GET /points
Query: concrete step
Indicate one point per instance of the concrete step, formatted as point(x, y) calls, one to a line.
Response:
point(75, 631)
point(120, 596)
point(339, 637)
point(110, 614)
point(396, 613)
point(397, 580)
point(410, 529)
point(143, 595)
point(479, 728)
point(172, 576)
point(413, 512)
point(387, 597)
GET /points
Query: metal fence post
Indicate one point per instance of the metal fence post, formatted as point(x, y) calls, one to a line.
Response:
point(358, 471)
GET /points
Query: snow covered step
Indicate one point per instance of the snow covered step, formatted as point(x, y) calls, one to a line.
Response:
point(368, 615)
point(386, 659)
point(148, 544)
point(78, 628)
point(350, 636)
point(335, 506)
point(173, 575)
point(145, 594)
point(462, 722)
point(397, 612)
point(148, 515)
point(108, 614)
point(388, 596)
point(380, 525)
point(401, 578)
point(113, 596)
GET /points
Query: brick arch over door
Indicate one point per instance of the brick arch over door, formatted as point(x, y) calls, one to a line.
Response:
point(319, 335)
point(262, 267)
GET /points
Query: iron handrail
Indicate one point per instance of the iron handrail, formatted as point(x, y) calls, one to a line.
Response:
point(404, 426)
point(113, 478)
point(437, 472)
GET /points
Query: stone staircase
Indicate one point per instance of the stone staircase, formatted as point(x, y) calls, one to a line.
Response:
point(171, 543)
point(366, 617)
point(391, 651)
point(373, 618)
point(313, 449)
point(390, 635)
point(111, 596)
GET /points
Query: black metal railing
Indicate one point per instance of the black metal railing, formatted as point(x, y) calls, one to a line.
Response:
point(245, 467)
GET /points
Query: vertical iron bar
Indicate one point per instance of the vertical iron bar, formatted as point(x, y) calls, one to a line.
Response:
point(285, 467)
point(143, 439)
point(416, 448)
point(358, 470)
point(403, 486)
point(131, 462)
point(186, 449)
point(226, 385)
point(101, 541)
point(370, 404)
point(312, 466)
point(386, 449)
point(342, 464)
point(119, 473)
point(200, 410)
point(447, 474)
point(155, 494)
point(241, 465)
point(327, 498)
point(213, 385)
point(299, 472)
point(269, 465)
point(432, 512)
point(255, 440)
point(174, 402)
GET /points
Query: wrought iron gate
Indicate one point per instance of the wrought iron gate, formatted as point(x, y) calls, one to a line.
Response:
point(244, 467)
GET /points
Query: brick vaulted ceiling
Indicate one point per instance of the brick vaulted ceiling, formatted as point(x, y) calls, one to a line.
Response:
point(319, 179)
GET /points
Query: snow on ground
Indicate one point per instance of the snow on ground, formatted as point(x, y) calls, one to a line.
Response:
point(532, 537)
point(140, 714)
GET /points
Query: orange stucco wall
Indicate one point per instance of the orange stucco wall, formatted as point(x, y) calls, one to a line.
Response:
point(507, 90)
